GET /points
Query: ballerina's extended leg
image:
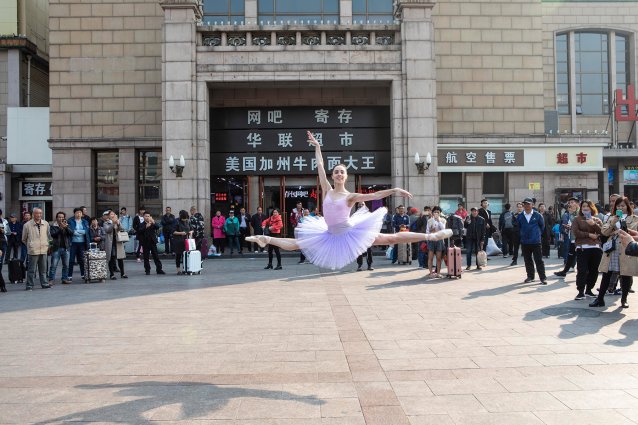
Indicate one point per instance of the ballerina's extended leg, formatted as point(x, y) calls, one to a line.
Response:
point(287, 244)
point(409, 237)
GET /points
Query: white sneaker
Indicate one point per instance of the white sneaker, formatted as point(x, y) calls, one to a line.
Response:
point(256, 251)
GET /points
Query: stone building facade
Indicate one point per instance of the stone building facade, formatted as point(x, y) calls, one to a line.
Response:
point(135, 82)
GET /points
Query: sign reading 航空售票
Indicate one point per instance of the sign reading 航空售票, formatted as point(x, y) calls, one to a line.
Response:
point(448, 157)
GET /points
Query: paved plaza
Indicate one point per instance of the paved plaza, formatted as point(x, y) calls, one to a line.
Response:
point(302, 346)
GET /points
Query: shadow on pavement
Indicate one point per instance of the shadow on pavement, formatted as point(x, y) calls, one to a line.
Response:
point(630, 330)
point(187, 400)
point(579, 318)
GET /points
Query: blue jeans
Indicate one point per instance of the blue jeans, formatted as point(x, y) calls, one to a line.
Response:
point(423, 258)
point(233, 241)
point(77, 254)
point(472, 247)
point(566, 245)
point(56, 256)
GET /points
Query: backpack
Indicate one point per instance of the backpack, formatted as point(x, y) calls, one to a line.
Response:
point(508, 219)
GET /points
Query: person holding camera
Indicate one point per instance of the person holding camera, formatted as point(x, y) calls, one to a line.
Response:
point(147, 235)
point(615, 262)
point(61, 236)
point(587, 230)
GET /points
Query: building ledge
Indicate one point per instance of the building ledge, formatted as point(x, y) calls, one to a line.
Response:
point(525, 139)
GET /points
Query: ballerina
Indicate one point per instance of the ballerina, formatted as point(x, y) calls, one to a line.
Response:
point(338, 238)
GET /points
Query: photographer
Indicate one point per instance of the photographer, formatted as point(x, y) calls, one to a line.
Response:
point(615, 261)
point(61, 236)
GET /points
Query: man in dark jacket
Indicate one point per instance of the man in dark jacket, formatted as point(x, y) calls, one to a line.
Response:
point(400, 218)
point(137, 221)
point(546, 237)
point(487, 216)
point(147, 235)
point(244, 229)
point(255, 222)
point(61, 236)
point(531, 225)
point(168, 227)
point(14, 238)
point(506, 227)
point(475, 236)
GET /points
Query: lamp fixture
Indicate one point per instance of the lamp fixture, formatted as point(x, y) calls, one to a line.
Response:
point(420, 165)
point(177, 169)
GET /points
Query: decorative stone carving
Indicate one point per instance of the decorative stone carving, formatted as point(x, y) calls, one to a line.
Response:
point(261, 40)
point(336, 39)
point(311, 40)
point(286, 40)
point(214, 40)
point(236, 40)
point(385, 39)
point(360, 39)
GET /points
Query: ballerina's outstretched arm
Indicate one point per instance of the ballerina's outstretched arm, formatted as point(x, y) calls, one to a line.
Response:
point(353, 198)
point(323, 179)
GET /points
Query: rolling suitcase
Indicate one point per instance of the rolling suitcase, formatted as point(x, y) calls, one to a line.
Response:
point(192, 262)
point(404, 253)
point(17, 272)
point(454, 261)
point(95, 267)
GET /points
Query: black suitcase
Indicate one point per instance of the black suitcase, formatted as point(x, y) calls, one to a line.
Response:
point(16, 271)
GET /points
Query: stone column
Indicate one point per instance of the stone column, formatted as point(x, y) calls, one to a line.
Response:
point(182, 114)
point(419, 101)
point(250, 12)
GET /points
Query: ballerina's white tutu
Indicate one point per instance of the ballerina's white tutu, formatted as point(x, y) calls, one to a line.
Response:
point(338, 239)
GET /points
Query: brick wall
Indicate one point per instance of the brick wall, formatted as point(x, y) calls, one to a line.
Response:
point(489, 66)
point(105, 68)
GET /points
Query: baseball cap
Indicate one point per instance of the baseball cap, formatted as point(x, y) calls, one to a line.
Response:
point(528, 201)
point(107, 212)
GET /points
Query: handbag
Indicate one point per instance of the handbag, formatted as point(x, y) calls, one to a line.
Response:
point(610, 245)
point(481, 258)
point(189, 244)
point(122, 236)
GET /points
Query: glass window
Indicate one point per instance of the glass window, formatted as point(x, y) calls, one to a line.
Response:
point(562, 74)
point(451, 183)
point(223, 11)
point(107, 184)
point(494, 183)
point(592, 68)
point(150, 181)
point(368, 11)
point(295, 10)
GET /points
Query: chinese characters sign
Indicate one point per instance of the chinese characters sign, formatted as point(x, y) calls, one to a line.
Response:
point(448, 157)
point(262, 141)
point(31, 189)
point(299, 163)
point(626, 107)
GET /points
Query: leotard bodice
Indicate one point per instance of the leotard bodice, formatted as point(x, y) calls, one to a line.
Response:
point(336, 212)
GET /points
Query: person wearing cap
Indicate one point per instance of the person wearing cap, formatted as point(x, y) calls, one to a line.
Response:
point(569, 250)
point(14, 238)
point(531, 225)
point(475, 236)
point(231, 229)
point(147, 235)
point(137, 220)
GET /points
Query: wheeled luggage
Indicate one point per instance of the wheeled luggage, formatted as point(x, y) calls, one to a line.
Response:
point(95, 267)
point(17, 271)
point(404, 253)
point(192, 262)
point(454, 261)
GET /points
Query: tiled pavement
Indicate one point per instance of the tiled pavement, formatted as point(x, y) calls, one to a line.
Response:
point(243, 345)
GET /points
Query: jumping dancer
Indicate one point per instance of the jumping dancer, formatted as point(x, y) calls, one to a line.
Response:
point(337, 239)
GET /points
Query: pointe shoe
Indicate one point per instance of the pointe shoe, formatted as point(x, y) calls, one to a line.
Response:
point(440, 235)
point(260, 240)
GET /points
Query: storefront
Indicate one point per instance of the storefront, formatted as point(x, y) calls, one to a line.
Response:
point(549, 173)
point(261, 158)
point(36, 193)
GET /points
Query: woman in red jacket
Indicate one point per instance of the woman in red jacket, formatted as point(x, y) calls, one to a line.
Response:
point(274, 225)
